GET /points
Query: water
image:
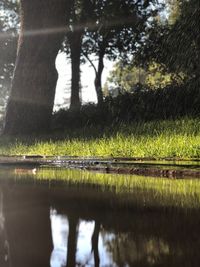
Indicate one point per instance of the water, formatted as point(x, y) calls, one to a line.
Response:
point(60, 224)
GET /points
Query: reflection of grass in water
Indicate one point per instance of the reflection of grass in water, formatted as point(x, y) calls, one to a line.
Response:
point(145, 191)
point(179, 138)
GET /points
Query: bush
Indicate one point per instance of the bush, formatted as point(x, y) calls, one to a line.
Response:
point(171, 102)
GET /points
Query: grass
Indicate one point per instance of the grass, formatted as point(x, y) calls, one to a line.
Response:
point(157, 139)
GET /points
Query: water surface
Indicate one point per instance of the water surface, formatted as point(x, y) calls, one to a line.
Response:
point(66, 222)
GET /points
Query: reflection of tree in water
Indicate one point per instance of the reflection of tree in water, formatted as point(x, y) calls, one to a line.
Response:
point(4, 246)
point(27, 226)
point(95, 241)
point(72, 241)
point(126, 249)
point(131, 237)
point(74, 224)
point(76, 241)
point(167, 238)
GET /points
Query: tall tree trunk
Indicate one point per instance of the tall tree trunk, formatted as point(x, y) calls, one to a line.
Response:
point(75, 41)
point(98, 78)
point(31, 101)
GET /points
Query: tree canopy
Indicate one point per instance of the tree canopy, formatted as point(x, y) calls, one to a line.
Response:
point(175, 44)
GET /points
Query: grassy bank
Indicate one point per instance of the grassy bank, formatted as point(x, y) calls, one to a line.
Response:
point(158, 139)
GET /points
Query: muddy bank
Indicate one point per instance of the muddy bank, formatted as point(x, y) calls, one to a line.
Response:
point(147, 167)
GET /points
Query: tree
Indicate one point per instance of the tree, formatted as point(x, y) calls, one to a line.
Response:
point(43, 24)
point(8, 44)
point(185, 53)
point(79, 21)
point(101, 28)
point(73, 45)
point(118, 26)
point(173, 7)
point(125, 78)
point(175, 45)
point(129, 78)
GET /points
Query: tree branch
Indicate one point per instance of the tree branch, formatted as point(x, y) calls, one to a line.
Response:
point(91, 63)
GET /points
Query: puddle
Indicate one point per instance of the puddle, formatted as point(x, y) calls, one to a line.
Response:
point(59, 217)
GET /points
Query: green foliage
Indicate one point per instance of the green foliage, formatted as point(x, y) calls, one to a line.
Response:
point(125, 78)
point(158, 77)
point(116, 25)
point(143, 104)
point(128, 77)
point(182, 41)
point(173, 7)
point(175, 45)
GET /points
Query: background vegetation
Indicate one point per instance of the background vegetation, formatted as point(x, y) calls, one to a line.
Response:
point(156, 76)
